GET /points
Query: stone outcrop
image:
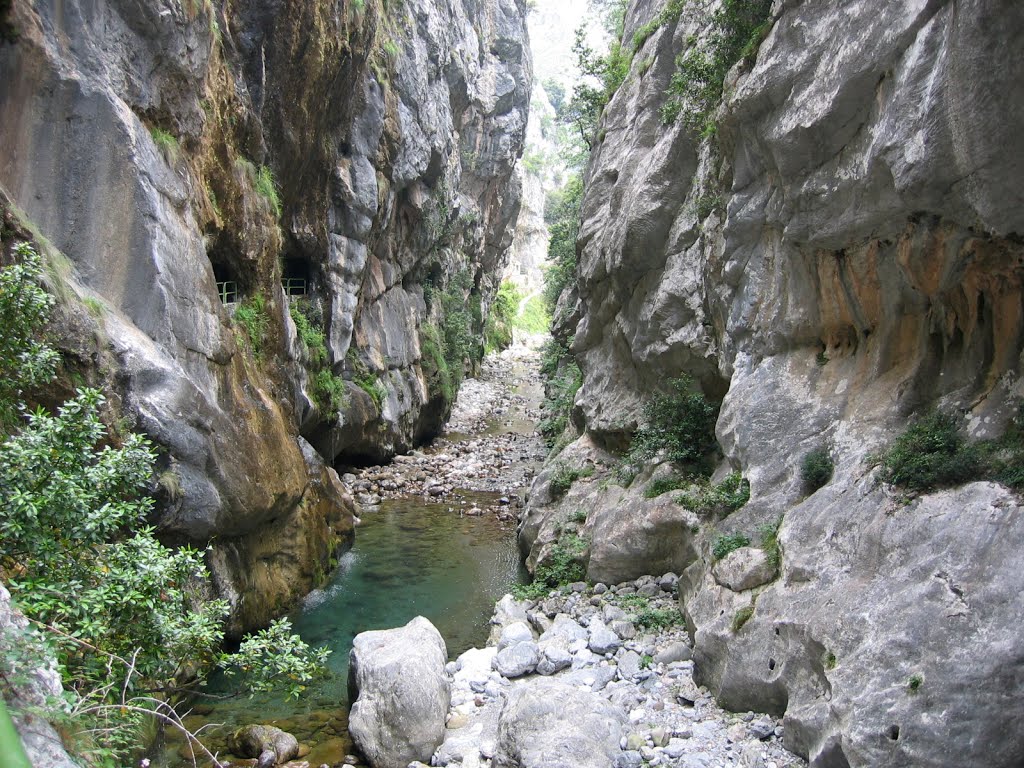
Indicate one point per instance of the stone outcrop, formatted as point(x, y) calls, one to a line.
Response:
point(403, 693)
point(181, 154)
point(29, 684)
point(843, 253)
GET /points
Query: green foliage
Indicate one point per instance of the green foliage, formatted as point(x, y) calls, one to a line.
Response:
point(329, 391)
point(562, 214)
point(310, 333)
point(123, 615)
point(914, 682)
point(741, 617)
point(728, 543)
point(460, 306)
point(564, 477)
point(275, 659)
point(725, 497)
point(816, 469)
point(365, 379)
point(25, 362)
point(931, 454)
point(534, 318)
point(661, 485)
point(498, 328)
point(267, 187)
point(563, 566)
point(669, 16)
point(705, 205)
point(251, 315)
point(559, 395)
point(736, 30)
point(435, 364)
point(680, 422)
point(579, 517)
point(769, 533)
point(658, 618)
point(830, 660)
point(165, 141)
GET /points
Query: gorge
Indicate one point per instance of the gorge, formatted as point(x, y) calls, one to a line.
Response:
point(276, 234)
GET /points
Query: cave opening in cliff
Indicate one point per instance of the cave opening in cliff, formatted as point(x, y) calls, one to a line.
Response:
point(296, 277)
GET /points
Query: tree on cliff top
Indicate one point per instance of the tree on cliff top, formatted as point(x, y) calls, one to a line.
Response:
point(122, 614)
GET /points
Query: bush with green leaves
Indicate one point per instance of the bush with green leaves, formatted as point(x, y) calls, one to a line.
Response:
point(737, 28)
point(932, 454)
point(722, 498)
point(664, 484)
point(267, 187)
point(816, 469)
point(562, 215)
point(741, 617)
point(564, 565)
point(769, 533)
point(727, 543)
point(251, 315)
point(501, 319)
point(123, 615)
point(564, 477)
point(680, 422)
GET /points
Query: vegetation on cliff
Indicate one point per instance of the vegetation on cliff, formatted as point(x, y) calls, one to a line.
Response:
point(125, 617)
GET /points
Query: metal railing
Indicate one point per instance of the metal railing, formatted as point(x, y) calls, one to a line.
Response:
point(228, 292)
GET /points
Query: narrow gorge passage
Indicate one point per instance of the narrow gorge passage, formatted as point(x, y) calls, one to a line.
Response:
point(436, 539)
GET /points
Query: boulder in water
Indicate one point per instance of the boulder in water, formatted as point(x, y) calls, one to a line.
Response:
point(403, 693)
point(268, 744)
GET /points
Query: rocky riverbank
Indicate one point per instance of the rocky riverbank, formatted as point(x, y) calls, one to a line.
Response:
point(490, 445)
point(618, 654)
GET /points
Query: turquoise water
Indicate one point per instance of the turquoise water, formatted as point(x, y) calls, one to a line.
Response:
point(414, 559)
point(410, 558)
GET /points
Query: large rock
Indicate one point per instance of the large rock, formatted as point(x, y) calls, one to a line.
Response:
point(30, 693)
point(743, 569)
point(402, 691)
point(549, 724)
point(271, 745)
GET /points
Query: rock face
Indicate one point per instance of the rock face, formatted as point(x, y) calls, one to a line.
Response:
point(29, 689)
point(181, 154)
point(843, 253)
point(264, 742)
point(403, 693)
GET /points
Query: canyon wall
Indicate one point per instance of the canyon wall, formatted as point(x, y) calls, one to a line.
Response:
point(840, 254)
point(189, 159)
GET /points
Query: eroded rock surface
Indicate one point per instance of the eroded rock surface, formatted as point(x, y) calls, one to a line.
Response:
point(842, 254)
point(181, 154)
point(403, 693)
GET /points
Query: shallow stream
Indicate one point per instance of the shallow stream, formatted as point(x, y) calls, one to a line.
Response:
point(411, 558)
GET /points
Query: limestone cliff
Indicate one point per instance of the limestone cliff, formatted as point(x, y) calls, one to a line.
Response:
point(845, 251)
point(190, 159)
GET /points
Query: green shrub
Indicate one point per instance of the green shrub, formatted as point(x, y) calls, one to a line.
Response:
point(251, 314)
point(737, 29)
point(123, 615)
point(329, 391)
point(728, 543)
point(728, 496)
point(914, 683)
point(661, 485)
point(932, 454)
point(741, 617)
point(816, 469)
point(267, 187)
point(310, 334)
point(498, 328)
point(564, 477)
point(563, 566)
point(659, 618)
point(165, 141)
point(562, 215)
point(435, 364)
point(534, 318)
point(680, 422)
point(769, 533)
